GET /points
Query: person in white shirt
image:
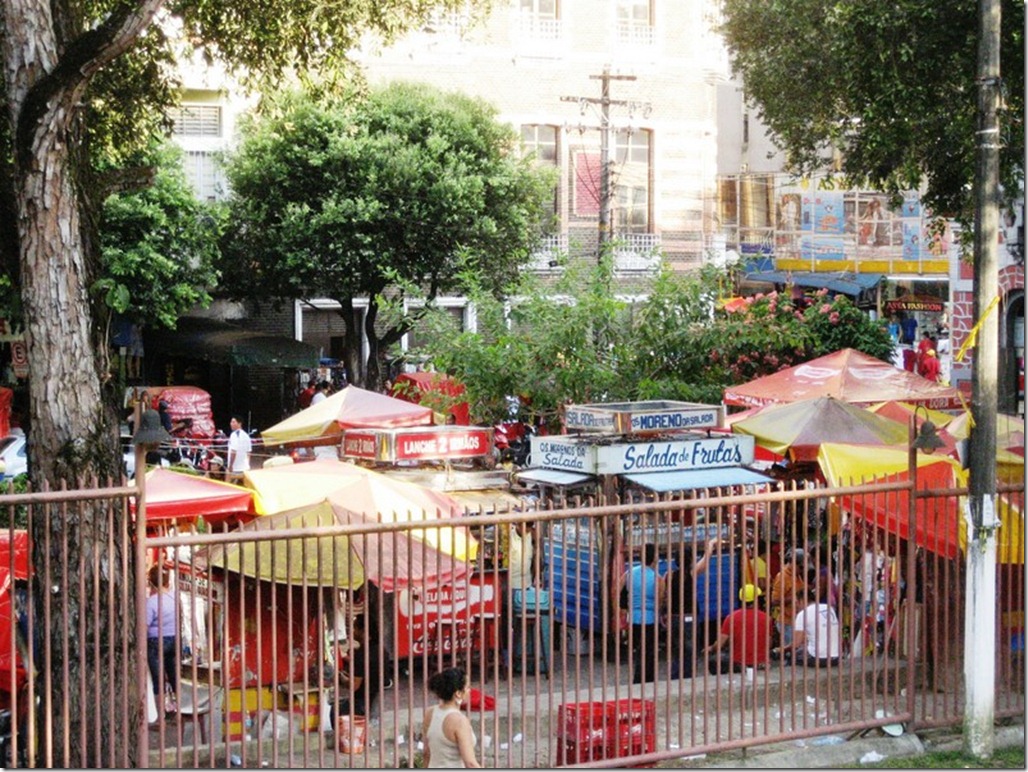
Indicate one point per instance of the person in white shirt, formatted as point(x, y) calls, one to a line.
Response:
point(816, 635)
point(239, 448)
point(322, 393)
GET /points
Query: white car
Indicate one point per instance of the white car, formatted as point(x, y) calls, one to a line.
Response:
point(13, 456)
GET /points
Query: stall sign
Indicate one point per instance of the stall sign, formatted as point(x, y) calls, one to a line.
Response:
point(442, 442)
point(422, 443)
point(650, 416)
point(678, 455)
point(433, 620)
point(564, 453)
point(363, 445)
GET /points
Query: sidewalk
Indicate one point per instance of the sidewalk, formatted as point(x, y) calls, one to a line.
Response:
point(822, 752)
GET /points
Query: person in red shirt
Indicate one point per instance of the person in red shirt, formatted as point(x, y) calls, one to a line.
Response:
point(303, 399)
point(922, 352)
point(745, 638)
point(931, 367)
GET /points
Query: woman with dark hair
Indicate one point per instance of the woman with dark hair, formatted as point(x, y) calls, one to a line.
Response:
point(449, 738)
point(646, 597)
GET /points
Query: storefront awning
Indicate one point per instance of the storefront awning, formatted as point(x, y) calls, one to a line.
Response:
point(554, 477)
point(212, 340)
point(846, 282)
point(664, 482)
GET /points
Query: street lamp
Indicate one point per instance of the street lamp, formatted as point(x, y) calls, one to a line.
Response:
point(149, 434)
point(927, 438)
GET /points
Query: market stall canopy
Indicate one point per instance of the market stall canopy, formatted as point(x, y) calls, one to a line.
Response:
point(429, 388)
point(367, 492)
point(691, 479)
point(174, 495)
point(939, 521)
point(797, 429)
point(393, 560)
point(295, 485)
point(14, 554)
point(847, 375)
point(349, 408)
point(213, 340)
point(846, 282)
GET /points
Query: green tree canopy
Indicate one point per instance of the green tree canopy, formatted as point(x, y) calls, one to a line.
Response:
point(574, 343)
point(159, 246)
point(376, 196)
point(890, 83)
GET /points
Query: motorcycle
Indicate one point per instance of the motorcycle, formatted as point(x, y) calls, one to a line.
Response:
point(513, 442)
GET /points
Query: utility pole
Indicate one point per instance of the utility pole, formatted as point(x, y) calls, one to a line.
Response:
point(980, 611)
point(605, 103)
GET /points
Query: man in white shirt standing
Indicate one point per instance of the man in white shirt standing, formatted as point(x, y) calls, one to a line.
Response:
point(239, 447)
point(322, 393)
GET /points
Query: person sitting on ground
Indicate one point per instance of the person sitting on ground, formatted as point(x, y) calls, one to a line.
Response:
point(449, 737)
point(745, 639)
point(816, 635)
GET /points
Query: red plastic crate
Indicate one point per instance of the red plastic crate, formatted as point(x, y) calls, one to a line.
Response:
point(597, 731)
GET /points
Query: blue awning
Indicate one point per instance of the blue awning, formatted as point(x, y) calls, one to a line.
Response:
point(846, 282)
point(663, 482)
point(554, 477)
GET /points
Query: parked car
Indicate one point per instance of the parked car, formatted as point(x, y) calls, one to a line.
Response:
point(13, 456)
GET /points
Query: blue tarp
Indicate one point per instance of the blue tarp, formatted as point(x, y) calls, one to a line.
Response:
point(846, 282)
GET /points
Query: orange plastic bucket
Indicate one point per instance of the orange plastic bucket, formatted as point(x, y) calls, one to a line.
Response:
point(351, 731)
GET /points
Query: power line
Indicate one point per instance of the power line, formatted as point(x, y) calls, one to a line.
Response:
point(605, 103)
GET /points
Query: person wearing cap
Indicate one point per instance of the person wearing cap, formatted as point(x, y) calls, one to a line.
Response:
point(746, 633)
point(931, 367)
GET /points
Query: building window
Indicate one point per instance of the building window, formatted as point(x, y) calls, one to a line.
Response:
point(204, 175)
point(631, 183)
point(540, 140)
point(631, 209)
point(196, 121)
point(634, 22)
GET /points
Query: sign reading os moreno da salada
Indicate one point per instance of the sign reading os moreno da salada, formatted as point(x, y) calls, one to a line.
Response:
point(582, 454)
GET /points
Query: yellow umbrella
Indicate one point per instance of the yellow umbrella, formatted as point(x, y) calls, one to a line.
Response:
point(367, 492)
point(844, 465)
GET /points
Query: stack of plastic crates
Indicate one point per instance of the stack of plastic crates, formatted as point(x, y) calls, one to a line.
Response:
point(597, 731)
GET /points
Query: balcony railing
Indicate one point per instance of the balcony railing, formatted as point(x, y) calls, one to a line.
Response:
point(635, 35)
point(636, 251)
point(550, 252)
point(532, 29)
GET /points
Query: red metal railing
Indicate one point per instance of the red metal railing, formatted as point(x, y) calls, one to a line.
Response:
point(281, 646)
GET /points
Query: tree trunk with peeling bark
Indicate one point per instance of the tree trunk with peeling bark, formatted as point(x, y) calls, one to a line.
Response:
point(47, 65)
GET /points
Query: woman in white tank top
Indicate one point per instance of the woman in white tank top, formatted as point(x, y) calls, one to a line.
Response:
point(449, 738)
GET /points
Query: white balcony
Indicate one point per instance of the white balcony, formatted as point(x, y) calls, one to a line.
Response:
point(635, 35)
point(550, 253)
point(636, 252)
point(537, 36)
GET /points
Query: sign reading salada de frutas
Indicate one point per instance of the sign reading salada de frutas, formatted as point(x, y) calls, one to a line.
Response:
point(421, 443)
point(642, 417)
point(675, 455)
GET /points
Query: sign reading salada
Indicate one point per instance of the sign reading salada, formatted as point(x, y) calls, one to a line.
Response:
point(561, 452)
point(648, 416)
point(421, 443)
point(584, 454)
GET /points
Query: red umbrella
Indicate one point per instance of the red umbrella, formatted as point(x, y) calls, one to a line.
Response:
point(16, 542)
point(848, 375)
point(181, 496)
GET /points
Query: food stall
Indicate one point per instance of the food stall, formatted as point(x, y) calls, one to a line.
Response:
point(641, 451)
point(449, 619)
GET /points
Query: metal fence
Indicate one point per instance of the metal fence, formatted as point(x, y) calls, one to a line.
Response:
point(309, 640)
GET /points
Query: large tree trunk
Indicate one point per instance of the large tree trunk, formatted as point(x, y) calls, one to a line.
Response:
point(85, 546)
